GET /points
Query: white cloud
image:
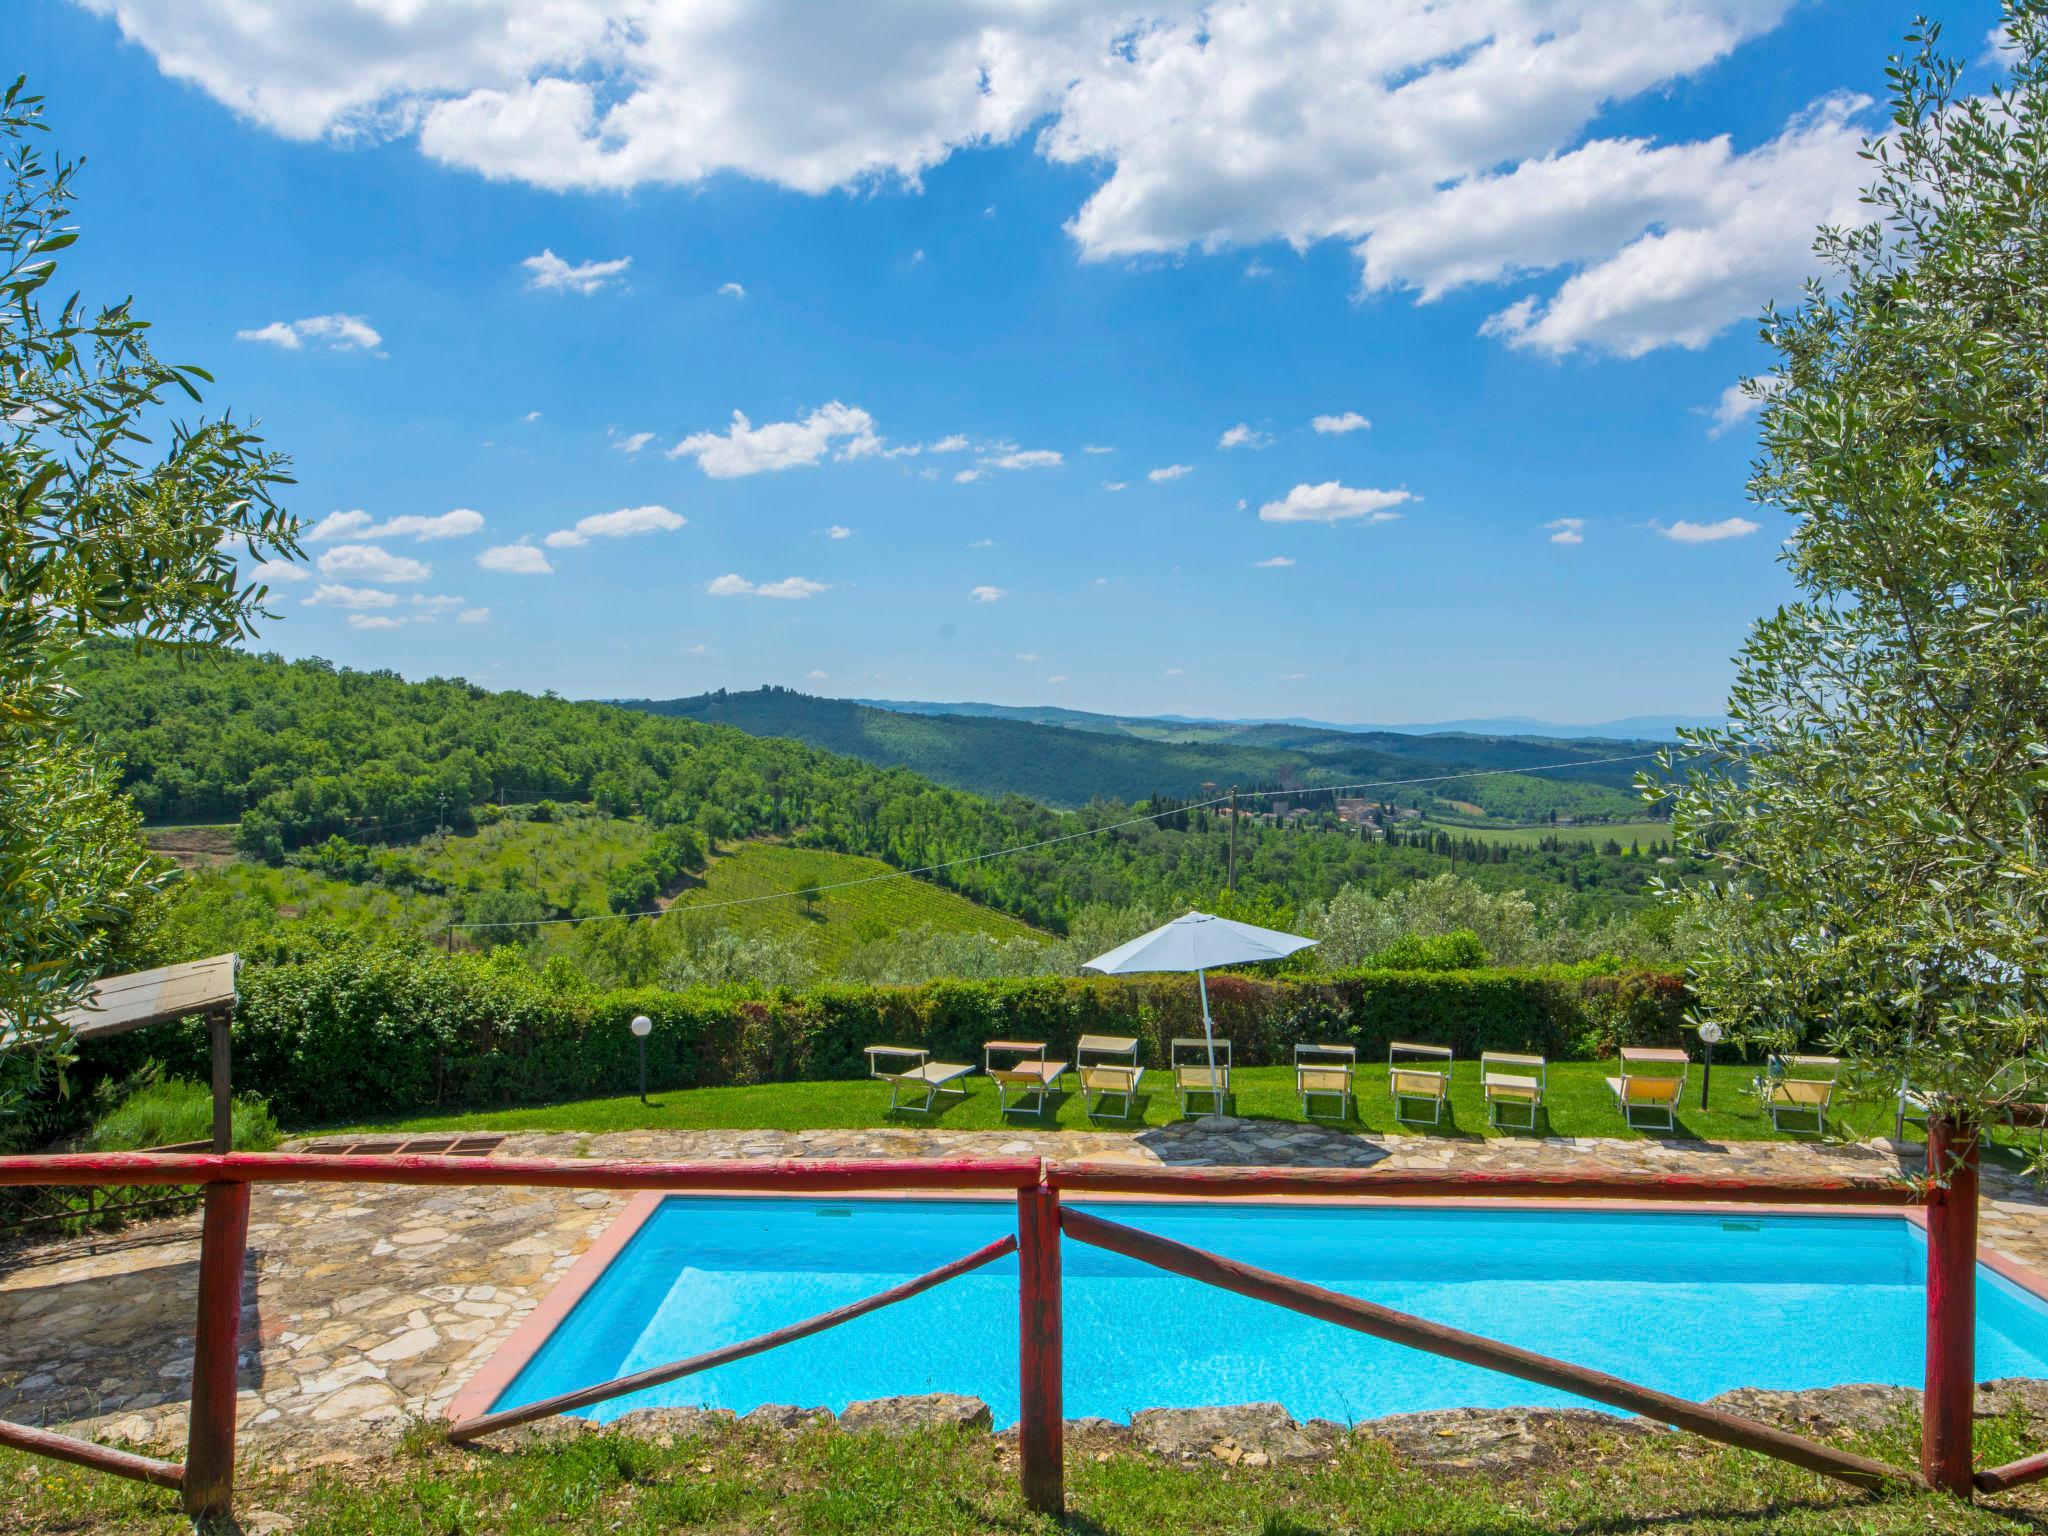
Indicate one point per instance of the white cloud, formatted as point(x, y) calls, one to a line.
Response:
point(1350, 421)
point(1291, 677)
point(373, 621)
point(731, 291)
point(1026, 458)
point(745, 449)
point(967, 476)
point(814, 676)
point(336, 595)
point(1402, 129)
point(549, 273)
point(1027, 655)
point(622, 524)
point(338, 333)
point(1057, 677)
point(632, 442)
point(271, 572)
point(789, 588)
point(1096, 448)
point(1169, 472)
point(439, 602)
point(515, 560)
point(1175, 671)
point(1277, 563)
point(1708, 533)
point(530, 417)
point(987, 594)
point(1116, 485)
point(1242, 436)
point(1334, 503)
point(696, 650)
point(1737, 404)
point(359, 524)
point(838, 531)
point(474, 616)
point(953, 444)
point(369, 563)
point(1570, 530)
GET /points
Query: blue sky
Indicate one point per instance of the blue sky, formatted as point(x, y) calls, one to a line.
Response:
point(460, 258)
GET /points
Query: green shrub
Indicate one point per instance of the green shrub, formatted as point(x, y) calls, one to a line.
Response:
point(344, 1032)
point(166, 1114)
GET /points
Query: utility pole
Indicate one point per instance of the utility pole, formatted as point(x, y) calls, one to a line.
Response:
point(441, 819)
point(1233, 839)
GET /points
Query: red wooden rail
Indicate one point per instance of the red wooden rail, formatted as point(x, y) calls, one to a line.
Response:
point(206, 1479)
point(676, 1370)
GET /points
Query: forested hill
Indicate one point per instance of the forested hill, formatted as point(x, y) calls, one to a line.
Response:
point(301, 751)
point(1087, 757)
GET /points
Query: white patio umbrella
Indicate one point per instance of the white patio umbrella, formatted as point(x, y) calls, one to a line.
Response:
point(1198, 942)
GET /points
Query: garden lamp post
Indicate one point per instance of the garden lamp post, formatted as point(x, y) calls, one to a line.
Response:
point(1709, 1033)
point(642, 1027)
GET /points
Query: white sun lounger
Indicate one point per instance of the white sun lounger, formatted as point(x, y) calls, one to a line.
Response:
point(1419, 1074)
point(1507, 1080)
point(1109, 1069)
point(927, 1078)
point(1194, 1078)
point(1325, 1072)
point(1024, 1071)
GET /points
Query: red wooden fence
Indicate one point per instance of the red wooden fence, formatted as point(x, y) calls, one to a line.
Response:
point(206, 1478)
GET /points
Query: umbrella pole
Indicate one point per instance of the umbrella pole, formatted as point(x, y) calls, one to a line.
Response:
point(1209, 1035)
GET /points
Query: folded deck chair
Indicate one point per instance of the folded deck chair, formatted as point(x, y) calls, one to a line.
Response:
point(1801, 1085)
point(1325, 1072)
point(1109, 1069)
point(1419, 1074)
point(1193, 1077)
point(1024, 1071)
point(1651, 1081)
point(927, 1078)
point(1512, 1082)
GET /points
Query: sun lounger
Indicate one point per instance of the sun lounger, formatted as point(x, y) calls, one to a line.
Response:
point(1419, 1074)
point(1192, 1074)
point(1109, 1069)
point(1512, 1082)
point(1652, 1080)
point(926, 1078)
point(1801, 1086)
point(1325, 1072)
point(1024, 1071)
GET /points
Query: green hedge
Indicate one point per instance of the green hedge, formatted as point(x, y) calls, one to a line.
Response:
point(355, 1034)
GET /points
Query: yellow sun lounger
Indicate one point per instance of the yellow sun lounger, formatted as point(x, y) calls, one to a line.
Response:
point(927, 1077)
point(1509, 1081)
point(1194, 1078)
point(1109, 1069)
point(1325, 1072)
point(1024, 1072)
point(1801, 1085)
point(1652, 1080)
point(1419, 1074)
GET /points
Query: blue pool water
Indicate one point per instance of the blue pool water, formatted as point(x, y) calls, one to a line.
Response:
point(1692, 1303)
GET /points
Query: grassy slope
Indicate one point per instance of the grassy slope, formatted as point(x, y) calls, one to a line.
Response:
point(1623, 832)
point(1580, 1105)
point(822, 1483)
point(565, 862)
point(838, 920)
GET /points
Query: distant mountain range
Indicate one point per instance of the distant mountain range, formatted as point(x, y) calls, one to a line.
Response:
point(1628, 728)
point(1067, 757)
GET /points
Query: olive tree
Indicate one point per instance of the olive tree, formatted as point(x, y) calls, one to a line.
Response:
point(1878, 802)
point(103, 530)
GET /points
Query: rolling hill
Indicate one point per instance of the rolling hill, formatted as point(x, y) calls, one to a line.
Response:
point(1068, 757)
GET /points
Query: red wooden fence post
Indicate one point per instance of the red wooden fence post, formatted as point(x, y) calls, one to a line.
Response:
point(210, 1440)
point(1041, 1420)
point(1947, 1408)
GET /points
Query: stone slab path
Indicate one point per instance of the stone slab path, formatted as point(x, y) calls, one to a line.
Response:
point(368, 1305)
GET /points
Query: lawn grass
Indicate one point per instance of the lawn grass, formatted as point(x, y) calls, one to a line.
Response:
point(837, 920)
point(1623, 832)
point(1579, 1105)
point(948, 1483)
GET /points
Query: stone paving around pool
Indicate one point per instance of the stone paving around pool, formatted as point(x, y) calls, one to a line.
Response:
point(368, 1305)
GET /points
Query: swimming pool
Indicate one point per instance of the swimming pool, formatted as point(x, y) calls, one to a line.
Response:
point(1690, 1302)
